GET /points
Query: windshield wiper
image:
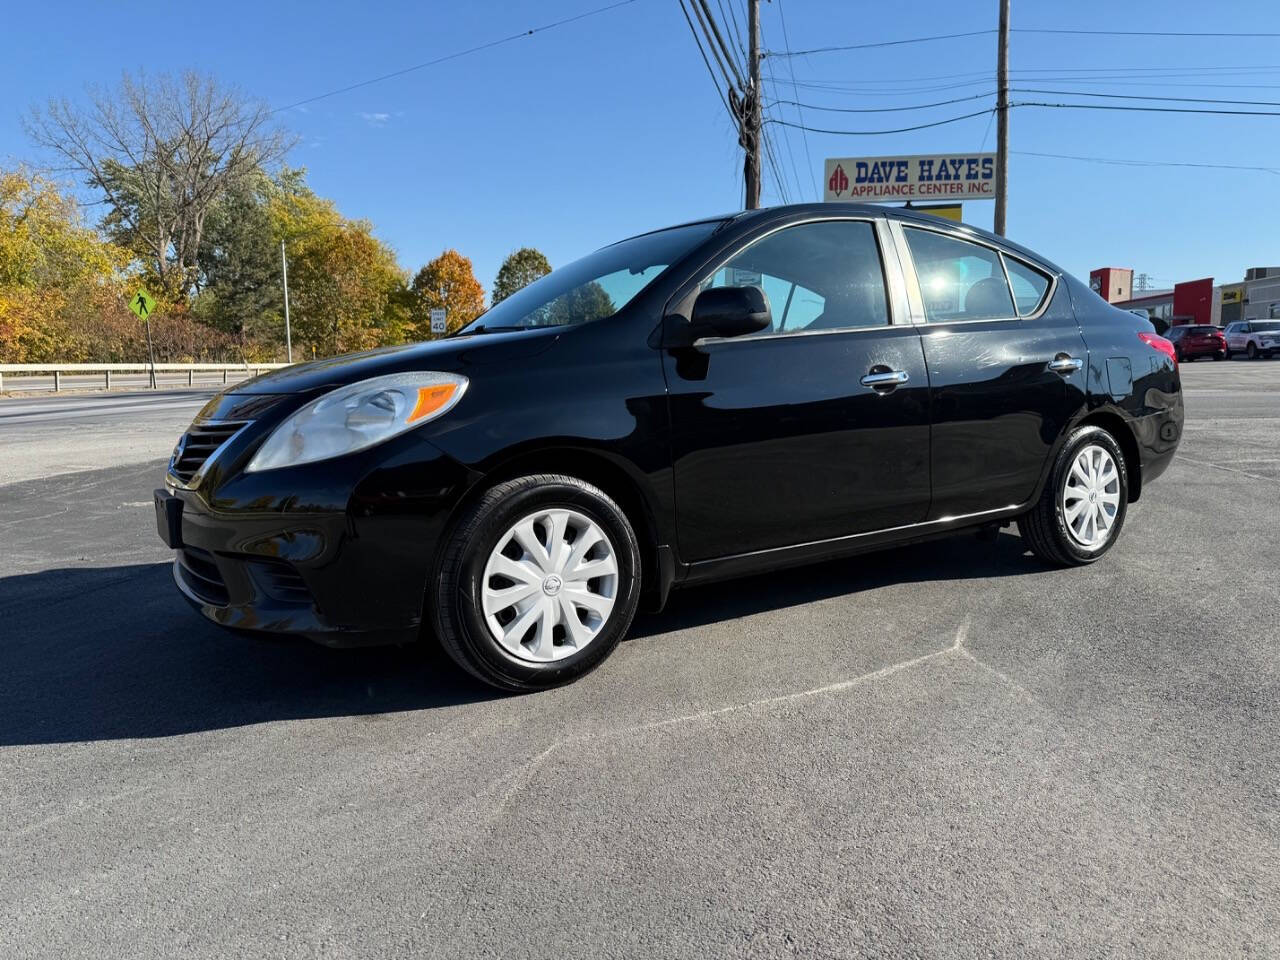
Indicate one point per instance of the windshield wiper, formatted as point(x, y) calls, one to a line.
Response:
point(484, 328)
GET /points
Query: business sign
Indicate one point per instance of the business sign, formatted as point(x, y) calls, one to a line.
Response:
point(930, 176)
point(438, 321)
point(948, 211)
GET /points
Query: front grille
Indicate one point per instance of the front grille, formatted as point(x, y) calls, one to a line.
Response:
point(198, 444)
point(280, 581)
point(201, 575)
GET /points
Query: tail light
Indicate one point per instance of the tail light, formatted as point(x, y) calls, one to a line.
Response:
point(1157, 342)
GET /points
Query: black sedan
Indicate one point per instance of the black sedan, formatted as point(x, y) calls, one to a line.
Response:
point(747, 392)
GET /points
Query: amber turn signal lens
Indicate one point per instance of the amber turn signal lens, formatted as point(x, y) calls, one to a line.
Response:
point(431, 399)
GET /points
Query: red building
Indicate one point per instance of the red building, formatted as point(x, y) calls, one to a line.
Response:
point(1193, 301)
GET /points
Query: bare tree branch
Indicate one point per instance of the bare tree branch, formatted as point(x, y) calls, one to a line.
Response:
point(162, 151)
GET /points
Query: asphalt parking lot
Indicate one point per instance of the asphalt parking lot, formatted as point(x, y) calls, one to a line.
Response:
point(940, 751)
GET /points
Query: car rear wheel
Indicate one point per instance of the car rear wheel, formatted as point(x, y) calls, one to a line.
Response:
point(538, 582)
point(1082, 508)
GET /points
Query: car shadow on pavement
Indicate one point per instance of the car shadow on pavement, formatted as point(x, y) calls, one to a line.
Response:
point(98, 653)
point(953, 558)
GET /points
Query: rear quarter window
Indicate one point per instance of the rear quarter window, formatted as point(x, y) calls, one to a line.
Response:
point(1030, 286)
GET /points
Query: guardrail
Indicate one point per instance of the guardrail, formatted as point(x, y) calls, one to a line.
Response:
point(107, 369)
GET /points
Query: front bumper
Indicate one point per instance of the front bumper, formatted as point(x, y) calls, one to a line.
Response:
point(338, 552)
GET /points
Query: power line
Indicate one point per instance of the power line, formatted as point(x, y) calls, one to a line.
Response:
point(1038, 30)
point(715, 41)
point(1141, 96)
point(454, 56)
point(1142, 33)
point(726, 11)
point(882, 43)
point(851, 90)
point(771, 157)
point(836, 87)
point(710, 70)
point(1140, 109)
point(786, 135)
point(917, 106)
point(987, 132)
point(1129, 162)
point(1182, 71)
point(808, 158)
point(874, 133)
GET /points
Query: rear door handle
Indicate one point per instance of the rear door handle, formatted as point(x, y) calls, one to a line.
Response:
point(888, 378)
point(1065, 364)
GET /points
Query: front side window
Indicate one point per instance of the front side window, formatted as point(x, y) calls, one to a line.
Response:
point(817, 276)
point(598, 285)
point(1029, 286)
point(958, 280)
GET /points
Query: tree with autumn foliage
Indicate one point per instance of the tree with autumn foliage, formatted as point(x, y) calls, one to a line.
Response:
point(519, 270)
point(59, 281)
point(346, 290)
point(448, 281)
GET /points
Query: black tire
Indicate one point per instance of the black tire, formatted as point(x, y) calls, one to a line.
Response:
point(1251, 351)
point(1226, 354)
point(455, 596)
point(1044, 527)
point(1177, 355)
point(1219, 356)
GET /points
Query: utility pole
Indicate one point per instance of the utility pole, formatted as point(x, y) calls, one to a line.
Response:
point(751, 119)
point(1002, 120)
point(288, 336)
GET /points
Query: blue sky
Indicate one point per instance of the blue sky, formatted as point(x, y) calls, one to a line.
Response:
point(605, 127)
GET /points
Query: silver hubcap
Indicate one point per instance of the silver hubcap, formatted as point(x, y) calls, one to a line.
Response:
point(550, 585)
point(1091, 497)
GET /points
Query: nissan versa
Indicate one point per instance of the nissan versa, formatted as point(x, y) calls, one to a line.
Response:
point(776, 387)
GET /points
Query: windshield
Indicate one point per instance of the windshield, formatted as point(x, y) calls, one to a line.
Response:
point(597, 286)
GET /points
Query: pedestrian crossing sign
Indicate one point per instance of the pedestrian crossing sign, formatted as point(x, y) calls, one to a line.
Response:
point(142, 304)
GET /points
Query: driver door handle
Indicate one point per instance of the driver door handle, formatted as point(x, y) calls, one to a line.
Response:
point(1065, 364)
point(889, 378)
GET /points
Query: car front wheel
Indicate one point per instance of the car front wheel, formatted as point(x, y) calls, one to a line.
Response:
point(538, 582)
point(1251, 351)
point(1082, 508)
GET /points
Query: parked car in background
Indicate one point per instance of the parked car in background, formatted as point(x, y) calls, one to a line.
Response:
point(1194, 340)
point(727, 397)
point(1253, 338)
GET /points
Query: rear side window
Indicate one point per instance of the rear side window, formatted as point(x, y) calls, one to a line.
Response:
point(1029, 286)
point(958, 280)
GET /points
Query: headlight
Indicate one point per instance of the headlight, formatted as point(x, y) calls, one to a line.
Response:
point(357, 416)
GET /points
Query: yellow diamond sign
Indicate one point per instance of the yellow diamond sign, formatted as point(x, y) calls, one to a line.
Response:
point(142, 303)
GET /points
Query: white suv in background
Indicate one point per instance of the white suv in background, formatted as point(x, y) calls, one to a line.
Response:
point(1253, 338)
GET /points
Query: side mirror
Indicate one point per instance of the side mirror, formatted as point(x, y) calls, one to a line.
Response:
point(730, 312)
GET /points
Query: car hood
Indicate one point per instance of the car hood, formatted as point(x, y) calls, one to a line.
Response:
point(455, 354)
